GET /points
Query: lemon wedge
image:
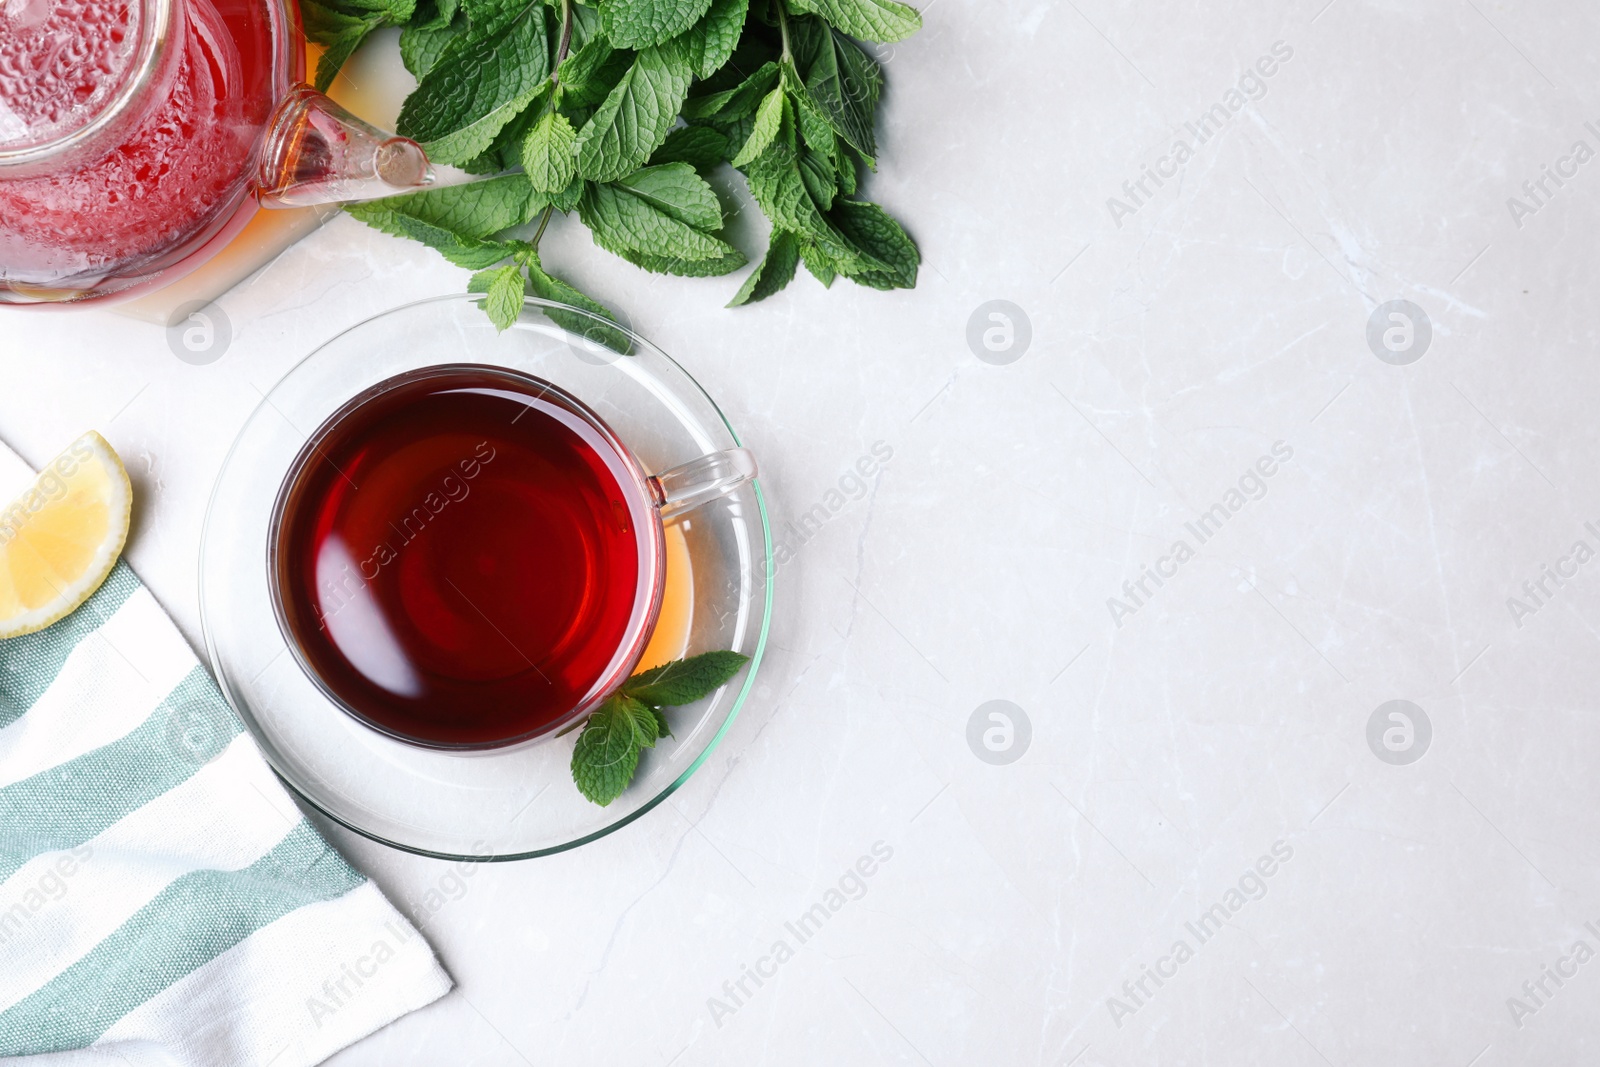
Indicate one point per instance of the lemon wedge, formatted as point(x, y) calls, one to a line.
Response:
point(60, 538)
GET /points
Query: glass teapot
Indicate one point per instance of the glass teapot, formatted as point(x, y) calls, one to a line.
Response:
point(137, 137)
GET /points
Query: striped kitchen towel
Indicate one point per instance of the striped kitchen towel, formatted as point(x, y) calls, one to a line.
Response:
point(162, 900)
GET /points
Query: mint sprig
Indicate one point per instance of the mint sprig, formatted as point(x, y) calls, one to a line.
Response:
point(871, 20)
point(620, 110)
point(630, 720)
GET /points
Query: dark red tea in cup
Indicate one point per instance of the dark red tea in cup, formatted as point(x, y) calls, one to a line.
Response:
point(466, 557)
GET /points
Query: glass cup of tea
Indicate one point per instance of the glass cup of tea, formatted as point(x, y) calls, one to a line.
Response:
point(138, 137)
point(525, 524)
point(467, 557)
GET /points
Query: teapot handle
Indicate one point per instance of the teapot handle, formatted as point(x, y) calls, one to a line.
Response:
point(316, 152)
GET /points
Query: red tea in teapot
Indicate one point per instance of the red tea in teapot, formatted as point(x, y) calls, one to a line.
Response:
point(164, 178)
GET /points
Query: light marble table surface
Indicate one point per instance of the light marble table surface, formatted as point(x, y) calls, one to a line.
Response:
point(1201, 757)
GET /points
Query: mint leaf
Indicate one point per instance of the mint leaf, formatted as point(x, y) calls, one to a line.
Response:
point(342, 26)
point(491, 16)
point(845, 165)
point(685, 681)
point(793, 186)
point(818, 174)
point(468, 252)
point(769, 117)
point(814, 128)
point(711, 42)
point(732, 104)
point(434, 14)
point(505, 151)
point(843, 82)
point(504, 288)
point(634, 118)
point(480, 82)
point(550, 287)
point(463, 251)
point(818, 264)
point(421, 46)
point(586, 20)
point(395, 11)
point(649, 216)
point(548, 154)
point(722, 25)
point(738, 131)
point(870, 20)
point(606, 755)
point(341, 49)
point(621, 224)
point(776, 184)
point(699, 146)
point(590, 72)
point(323, 24)
point(642, 23)
point(567, 199)
point(871, 230)
point(476, 209)
point(775, 270)
point(675, 189)
point(715, 267)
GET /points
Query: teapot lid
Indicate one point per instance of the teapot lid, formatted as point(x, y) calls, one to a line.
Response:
point(69, 68)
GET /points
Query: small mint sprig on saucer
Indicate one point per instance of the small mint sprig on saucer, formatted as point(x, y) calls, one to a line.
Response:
point(631, 720)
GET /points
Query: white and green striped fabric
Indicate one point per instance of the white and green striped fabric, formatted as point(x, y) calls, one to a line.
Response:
point(162, 900)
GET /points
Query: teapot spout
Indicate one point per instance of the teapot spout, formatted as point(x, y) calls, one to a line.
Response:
point(316, 152)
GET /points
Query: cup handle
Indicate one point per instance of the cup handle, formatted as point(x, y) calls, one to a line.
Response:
point(701, 481)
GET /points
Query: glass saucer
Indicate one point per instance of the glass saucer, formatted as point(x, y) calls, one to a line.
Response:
point(508, 803)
